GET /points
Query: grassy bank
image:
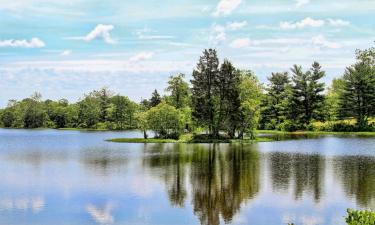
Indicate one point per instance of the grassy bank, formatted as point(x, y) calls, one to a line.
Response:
point(184, 140)
point(315, 133)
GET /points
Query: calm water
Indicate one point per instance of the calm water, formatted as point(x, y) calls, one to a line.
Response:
point(71, 177)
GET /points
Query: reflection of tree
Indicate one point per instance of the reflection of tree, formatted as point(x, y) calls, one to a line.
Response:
point(171, 160)
point(306, 171)
point(357, 174)
point(102, 161)
point(221, 178)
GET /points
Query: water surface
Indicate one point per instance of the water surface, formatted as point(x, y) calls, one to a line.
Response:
point(72, 177)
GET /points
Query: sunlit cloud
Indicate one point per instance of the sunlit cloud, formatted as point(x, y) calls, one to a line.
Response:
point(225, 7)
point(66, 52)
point(32, 43)
point(141, 56)
point(101, 32)
point(307, 22)
point(237, 25)
point(300, 3)
point(240, 43)
point(338, 22)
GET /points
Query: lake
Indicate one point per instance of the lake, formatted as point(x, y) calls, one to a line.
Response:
point(72, 177)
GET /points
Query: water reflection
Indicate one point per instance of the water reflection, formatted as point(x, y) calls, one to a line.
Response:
point(357, 175)
point(88, 181)
point(222, 177)
point(305, 171)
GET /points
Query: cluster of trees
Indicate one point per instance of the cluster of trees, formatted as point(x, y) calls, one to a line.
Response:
point(221, 99)
point(294, 102)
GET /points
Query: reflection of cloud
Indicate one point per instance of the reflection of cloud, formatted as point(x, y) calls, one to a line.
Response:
point(36, 204)
point(101, 215)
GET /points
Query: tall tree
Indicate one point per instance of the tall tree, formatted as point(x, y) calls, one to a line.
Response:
point(179, 91)
point(34, 115)
point(307, 99)
point(204, 91)
point(103, 96)
point(358, 98)
point(155, 99)
point(250, 91)
point(229, 99)
point(275, 101)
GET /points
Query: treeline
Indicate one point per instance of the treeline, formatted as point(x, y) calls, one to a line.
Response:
point(220, 101)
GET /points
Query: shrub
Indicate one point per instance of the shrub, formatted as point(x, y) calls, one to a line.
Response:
point(289, 125)
point(357, 217)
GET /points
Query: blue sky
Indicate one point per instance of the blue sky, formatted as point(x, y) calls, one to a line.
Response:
point(67, 48)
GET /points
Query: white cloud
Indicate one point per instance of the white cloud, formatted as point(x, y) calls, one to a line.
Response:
point(145, 34)
point(217, 34)
point(225, 7)
point(101, 215)
point(240, 43)
point(141, 56)
point(237, 25)
point(300, 3)
point(101, 32)
point(338, 22)
point(66, 53)
point(320, 40)
point(33, 43)
point(307, 22)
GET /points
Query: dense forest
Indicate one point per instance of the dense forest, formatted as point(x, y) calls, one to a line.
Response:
point(221, 101)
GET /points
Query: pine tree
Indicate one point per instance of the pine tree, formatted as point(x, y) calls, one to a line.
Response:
point(155, 99)
point(358, 97)
point(274, 110)
point(307, 100)
point(229, 101)
point(204, 90)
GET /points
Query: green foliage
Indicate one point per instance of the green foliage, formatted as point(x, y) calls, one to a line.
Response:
point(358, 95)
point(275, 102)
point(360, 217)
point(165, 120)
point(122, 112)
point(179, 91)
point(155, 99)
point(250, 94)
point(204, 91)
point(307, 100)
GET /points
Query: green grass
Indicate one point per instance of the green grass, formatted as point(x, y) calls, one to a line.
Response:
point(142, 140)
point(316, 132)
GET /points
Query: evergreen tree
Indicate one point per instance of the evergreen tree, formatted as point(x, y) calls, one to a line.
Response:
point(229, 101)
point(358, 97)
point(155, 99)
point(274, 109)
point(307, 100)
point(204, 101)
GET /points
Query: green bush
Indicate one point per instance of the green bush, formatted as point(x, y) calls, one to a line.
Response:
point(357, 217)
point(289, 125)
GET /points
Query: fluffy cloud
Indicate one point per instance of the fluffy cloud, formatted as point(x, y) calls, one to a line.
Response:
point(320, 40)
point(33, 43)
point(141, 56)
point(66, 53)
point(300, 3)
point(338, 22)
point(240, 43)
point(225, 7)
point(101, 32)
point(237, 25)
point(217, 34)
point(307, 22)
